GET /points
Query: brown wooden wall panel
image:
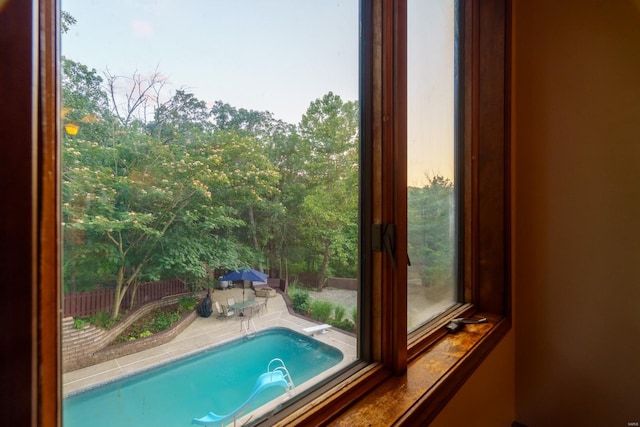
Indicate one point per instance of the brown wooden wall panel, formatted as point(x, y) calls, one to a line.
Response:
point(492, 157)
point(18, 221)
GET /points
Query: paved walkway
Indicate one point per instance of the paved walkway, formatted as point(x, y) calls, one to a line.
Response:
point(205, 333)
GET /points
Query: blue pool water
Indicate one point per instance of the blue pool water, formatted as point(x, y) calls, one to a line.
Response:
point(217, 380)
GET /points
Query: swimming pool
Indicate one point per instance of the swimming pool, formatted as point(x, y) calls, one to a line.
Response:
point(218, 380)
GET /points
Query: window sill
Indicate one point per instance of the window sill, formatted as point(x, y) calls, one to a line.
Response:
point(432, 378)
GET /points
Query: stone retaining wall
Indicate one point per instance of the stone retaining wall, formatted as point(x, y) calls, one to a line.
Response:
point(89, 345)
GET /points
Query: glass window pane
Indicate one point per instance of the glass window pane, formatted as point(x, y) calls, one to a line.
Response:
point(432, 221)
point(201, 139)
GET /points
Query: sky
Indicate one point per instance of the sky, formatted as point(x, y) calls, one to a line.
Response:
point(264, 55)
point(430, 84)
point(275, 56)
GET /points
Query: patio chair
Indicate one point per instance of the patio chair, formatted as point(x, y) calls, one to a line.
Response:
point(227, 312)
point(231, 301)
point(254, 306)
point(263, 305)
point(223, 311)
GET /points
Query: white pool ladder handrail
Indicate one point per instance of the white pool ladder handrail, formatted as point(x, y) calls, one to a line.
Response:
point(291, 389)
point(248, 327)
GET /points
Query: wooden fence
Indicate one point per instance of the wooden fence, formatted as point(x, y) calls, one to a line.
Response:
point(342, 283)
point(308, 279)
point(79, 304)
point(312, 279)
point(277, 284)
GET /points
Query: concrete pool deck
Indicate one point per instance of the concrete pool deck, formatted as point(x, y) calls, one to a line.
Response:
point(205, 333)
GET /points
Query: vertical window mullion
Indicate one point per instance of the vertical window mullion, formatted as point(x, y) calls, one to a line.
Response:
point(394, 185)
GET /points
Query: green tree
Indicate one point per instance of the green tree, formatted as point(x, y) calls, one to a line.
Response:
point(85, 103)
point(135, 209)
point(329, 129)
point(328, 216)
point(259, 124)
point(431, 230)
point(66, 21)
point(252, 188)
point(139, 210)
point(329, 133)
point(182, 119)
point(197, 189)
point(288, 154)
point(267, 217)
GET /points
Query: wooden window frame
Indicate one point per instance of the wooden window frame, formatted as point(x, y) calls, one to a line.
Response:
point(390, 360)
point(408, 380)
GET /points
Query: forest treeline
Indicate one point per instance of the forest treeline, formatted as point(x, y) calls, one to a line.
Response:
point(158, 185)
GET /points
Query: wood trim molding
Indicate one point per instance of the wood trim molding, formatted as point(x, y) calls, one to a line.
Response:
point(394, 183)
point(49, 360)
point(324, 407)
point(425, 409)
point(33, 308)
point(18, 225)
point(431, 379)
point(491, 145)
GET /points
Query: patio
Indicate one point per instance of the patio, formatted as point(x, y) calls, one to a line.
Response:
point(205, 333)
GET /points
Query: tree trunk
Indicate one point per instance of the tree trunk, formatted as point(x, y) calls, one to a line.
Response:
point(325, 263)
point(119, 293)
point(134, 290)
point(122, 285)
point(254, 232)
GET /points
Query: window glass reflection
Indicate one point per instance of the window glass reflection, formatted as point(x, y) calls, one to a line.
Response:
point(431, 212)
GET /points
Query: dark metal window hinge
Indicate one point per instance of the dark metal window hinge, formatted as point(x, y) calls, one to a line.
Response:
point(383, 237)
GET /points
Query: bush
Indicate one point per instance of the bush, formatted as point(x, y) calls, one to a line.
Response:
point(103, 320)
point(187, 304)
point(299, 299)
point(78, 323)
point(163, 321)
point(321, 310)
point(345, 325)
point(157, 320)
point(339, 311)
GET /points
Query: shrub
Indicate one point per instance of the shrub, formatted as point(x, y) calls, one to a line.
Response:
point(299, 299)
point(344, 324)
point(187, 304)
point(339, 312)
point(321, 310)
point(163, 321)
point(103, 320)
point(157, 320)
point(78, 323)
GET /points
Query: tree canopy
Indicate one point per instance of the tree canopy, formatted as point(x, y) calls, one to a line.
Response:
point(192, 189)
point(154, 189)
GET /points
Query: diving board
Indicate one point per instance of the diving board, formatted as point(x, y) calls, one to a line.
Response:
point(322, 329)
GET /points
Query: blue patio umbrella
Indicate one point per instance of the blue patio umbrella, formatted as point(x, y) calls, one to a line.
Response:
point(245, 274)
